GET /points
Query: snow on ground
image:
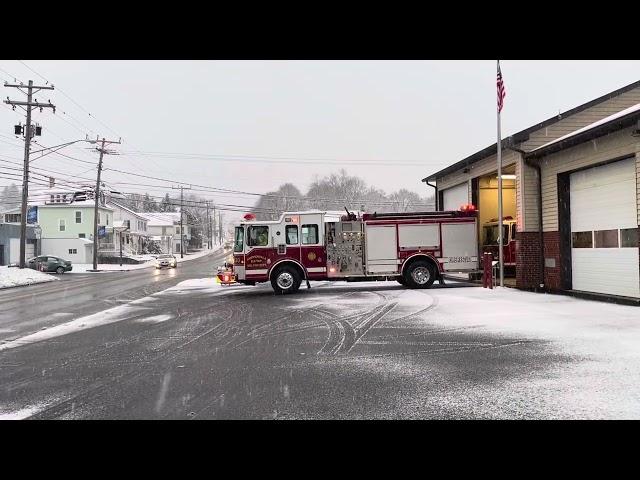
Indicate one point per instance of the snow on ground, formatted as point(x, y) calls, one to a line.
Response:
point(13, 277)
point(137, 310)
point(19, 414)
point(149, 262)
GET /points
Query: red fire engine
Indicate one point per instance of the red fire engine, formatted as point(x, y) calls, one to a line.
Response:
point(415, 248)
point(490, 240)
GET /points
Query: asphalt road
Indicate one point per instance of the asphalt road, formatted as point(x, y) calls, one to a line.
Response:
point(336, 351)
point(30, 308)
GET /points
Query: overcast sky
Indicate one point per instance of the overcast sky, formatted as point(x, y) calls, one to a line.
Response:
point(390, 122)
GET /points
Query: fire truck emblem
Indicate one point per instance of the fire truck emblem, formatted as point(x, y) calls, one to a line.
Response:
point(311, 256)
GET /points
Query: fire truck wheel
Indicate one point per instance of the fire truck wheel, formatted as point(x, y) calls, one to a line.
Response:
point(285, 280)
point(419, 274)
point(401, 281)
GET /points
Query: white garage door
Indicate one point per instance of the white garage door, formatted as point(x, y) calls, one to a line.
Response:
point(453, 198)
point(604, 230)
point(14, 250)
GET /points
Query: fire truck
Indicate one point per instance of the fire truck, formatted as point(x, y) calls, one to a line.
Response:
point(490, 240)
point(414, 248)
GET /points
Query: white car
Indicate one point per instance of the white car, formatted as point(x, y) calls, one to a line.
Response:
point(166, 261)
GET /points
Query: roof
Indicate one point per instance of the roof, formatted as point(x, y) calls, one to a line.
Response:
point(160, 219)
point(122, 207)
point(617, 121)
point(524, 134)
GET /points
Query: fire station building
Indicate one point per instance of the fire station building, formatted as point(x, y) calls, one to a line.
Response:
point(571, 198)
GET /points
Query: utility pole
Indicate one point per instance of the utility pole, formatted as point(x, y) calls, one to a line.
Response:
point(181, 187)
point(28, 133)
point(214, 227)
point(220, 228)
point(209, 232)
point(102, 151)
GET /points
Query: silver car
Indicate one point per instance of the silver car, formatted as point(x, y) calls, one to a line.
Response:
point(166, 261)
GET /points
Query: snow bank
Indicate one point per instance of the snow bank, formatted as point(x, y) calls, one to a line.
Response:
point(13, 277)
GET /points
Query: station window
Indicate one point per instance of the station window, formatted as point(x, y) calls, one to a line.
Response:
point(629, 238)
point(606, 238)
point(582, 239)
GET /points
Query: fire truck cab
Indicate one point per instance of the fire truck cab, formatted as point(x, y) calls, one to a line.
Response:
point(415, 248)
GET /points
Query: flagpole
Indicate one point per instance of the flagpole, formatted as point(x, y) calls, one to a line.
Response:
point(500, 216)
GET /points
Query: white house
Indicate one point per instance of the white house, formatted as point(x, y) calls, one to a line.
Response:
point(66, 221)
point(129, 227)
point(164, 230)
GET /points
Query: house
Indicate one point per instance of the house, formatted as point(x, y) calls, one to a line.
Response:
point(10, 238)
point(164, 230)
point(129, 227)
point(573, 187)
point(66, 220)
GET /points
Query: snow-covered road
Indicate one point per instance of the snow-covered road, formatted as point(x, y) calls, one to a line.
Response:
point(338, 350)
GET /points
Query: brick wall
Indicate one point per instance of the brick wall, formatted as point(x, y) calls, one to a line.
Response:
point(528, 263)
point(552, 252)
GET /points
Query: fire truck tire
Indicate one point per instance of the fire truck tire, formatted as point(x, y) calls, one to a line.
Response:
point(285, 280)
point(401, 281)
point(420, 274)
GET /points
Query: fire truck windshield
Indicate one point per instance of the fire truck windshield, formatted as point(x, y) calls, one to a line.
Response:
point(238, 245)
point(491, 234)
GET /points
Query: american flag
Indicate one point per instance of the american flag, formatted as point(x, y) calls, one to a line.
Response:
point(501, 91)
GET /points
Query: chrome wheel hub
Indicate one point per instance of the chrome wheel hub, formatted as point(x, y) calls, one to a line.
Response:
point(421, 275)
point(285, 280)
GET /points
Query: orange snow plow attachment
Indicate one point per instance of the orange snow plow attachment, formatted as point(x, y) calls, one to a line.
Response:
point(225, 275)
point(226, 278)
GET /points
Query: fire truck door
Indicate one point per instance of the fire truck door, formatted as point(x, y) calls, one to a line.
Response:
point(381, 249)
point(312, 244)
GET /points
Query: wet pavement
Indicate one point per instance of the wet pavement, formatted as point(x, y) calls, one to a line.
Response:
point(337, 351)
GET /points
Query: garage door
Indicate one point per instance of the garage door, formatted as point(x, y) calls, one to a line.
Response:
point(14, 247)
point(604, 230)
point(453, 198)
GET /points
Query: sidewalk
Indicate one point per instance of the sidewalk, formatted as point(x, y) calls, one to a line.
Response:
point(109, 267)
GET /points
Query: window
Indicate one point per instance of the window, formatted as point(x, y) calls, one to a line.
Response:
point(491, 234)
point(258, 236)
point(178, 230)
point(177, 247)
point(73, 251)
point(513, 231)
point(62, 225)
point(291, 232)
point(98, 218)
point(309, 234)
point(238, 245)
point(12, 218)
point(606, 238)
point(127, 223)
point(81, 235)
point(581, 240)
point(629, 238)
point(107, 215)
point(78, 216)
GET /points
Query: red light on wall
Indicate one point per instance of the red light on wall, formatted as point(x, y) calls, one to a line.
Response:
point(249, 216)
point(469, 207)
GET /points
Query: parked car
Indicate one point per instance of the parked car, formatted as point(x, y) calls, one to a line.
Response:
point(48, 263)
point(166, 261)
